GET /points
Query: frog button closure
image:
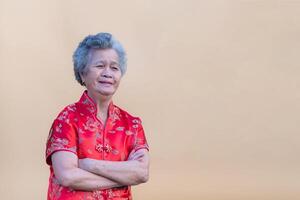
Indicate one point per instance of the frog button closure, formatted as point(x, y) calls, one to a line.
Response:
point(99, 147)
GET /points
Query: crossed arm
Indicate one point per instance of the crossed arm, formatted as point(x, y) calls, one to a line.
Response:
point(90, 174)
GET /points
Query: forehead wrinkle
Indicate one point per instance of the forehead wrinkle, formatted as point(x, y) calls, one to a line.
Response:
point(100, 61)
point(91, 59)
point(97, 62)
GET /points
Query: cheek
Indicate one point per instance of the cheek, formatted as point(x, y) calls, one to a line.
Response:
point(91, 76)
point(118, 80)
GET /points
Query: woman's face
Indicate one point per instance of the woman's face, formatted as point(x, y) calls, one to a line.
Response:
point(103, 73)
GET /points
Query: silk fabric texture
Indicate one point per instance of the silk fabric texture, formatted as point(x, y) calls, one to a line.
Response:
point(77, 129)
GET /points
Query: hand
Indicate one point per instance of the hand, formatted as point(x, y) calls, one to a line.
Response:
point(86, 164)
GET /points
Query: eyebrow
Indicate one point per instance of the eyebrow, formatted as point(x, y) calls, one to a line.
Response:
point(97, 62)
point(102, 61)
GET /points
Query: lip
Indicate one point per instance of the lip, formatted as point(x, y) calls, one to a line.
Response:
point(105, 82)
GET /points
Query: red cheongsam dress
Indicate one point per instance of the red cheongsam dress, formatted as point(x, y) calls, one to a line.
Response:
point(77, 129)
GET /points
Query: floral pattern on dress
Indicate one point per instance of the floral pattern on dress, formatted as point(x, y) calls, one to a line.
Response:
point(78, 130)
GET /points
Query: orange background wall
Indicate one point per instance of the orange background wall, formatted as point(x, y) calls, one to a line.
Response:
point(215, 82)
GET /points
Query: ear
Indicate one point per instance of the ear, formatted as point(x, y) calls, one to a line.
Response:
point(82, 76)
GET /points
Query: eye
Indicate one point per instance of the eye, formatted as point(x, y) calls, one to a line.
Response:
point(115, 67)
point(100, 66)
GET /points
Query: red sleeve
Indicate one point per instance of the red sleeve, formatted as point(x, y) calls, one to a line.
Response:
point(140, 141)
point(62, 137)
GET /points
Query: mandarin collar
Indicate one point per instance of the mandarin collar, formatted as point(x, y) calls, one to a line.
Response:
point(90, 106)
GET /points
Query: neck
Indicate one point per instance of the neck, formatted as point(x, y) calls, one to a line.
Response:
point(102, 102)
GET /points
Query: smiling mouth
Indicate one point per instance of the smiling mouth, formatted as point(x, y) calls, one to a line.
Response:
point(105, 83)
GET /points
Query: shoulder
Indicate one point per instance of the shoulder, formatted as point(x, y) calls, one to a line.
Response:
point(126, 116)
point(67, 113)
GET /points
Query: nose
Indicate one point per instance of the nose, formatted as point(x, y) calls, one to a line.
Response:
point(106, 73)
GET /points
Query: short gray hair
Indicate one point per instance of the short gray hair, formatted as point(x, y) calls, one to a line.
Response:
point(98, 41)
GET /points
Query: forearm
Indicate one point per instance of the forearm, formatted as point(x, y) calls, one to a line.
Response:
point(79, 179)
point(131, 172)
point(65, 166)
point(125, 172)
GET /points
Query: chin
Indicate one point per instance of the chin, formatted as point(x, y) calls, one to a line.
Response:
point(106, 93)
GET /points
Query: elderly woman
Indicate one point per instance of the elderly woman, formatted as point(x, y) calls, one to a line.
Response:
point(95, 149)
